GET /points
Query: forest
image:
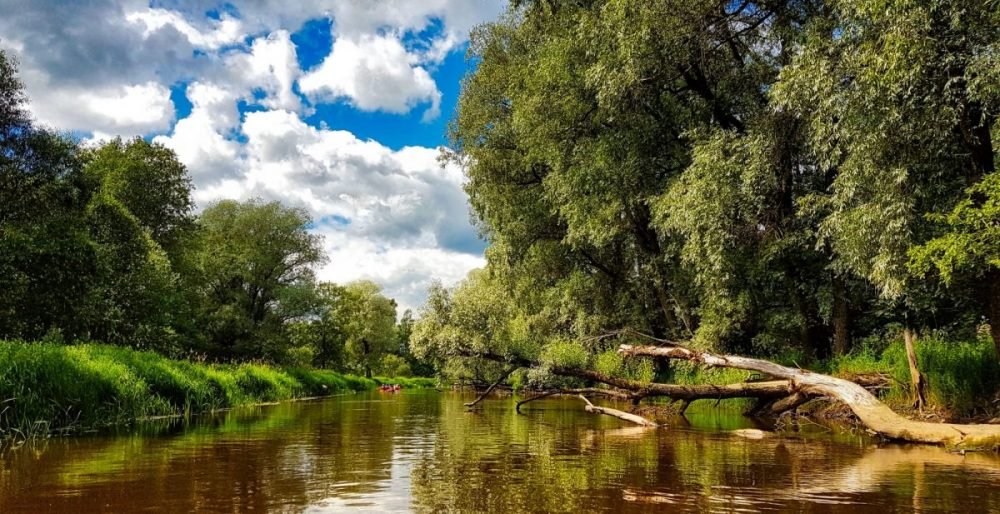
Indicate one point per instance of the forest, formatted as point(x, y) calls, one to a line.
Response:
point(811, 182)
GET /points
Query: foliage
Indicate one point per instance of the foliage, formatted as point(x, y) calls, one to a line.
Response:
point(255, 267)
point(369, 324)
point(48, 386)
point(766, 178)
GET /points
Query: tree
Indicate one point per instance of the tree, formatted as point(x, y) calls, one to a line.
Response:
point(255, 261)
point(47, 260)
point(149, 181)
point(369, 322)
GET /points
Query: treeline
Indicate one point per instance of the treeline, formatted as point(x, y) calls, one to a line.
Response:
point(102, 243)
point(803, 177)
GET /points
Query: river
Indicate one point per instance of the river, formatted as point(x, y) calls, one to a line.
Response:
point(423, 451)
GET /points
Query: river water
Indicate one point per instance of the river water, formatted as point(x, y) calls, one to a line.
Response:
point(423, 451)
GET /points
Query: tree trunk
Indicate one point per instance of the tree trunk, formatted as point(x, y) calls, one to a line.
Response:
point(870, 411)
point(916, 379)
point(994, 306)
point(841, 317)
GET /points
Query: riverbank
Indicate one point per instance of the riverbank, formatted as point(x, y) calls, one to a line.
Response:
point(48, 388)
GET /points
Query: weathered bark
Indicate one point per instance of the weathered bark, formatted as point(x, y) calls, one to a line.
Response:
point(874, 414)
point(491, 387)
point(916, 378)
point(769, 393)
point(768, 389)
point(638, 420)
point(841, 317)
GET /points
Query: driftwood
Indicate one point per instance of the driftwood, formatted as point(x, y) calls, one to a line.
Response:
point(638, 420)
point(874, 414)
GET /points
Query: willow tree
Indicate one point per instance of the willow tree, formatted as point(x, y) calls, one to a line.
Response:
point(898, 106)
point(255, 263)
point(368, 321)
point(603, 143)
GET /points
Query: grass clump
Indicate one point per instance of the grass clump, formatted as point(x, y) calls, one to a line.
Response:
point(48, 387)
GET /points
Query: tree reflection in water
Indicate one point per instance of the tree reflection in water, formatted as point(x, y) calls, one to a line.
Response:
point(424, 451)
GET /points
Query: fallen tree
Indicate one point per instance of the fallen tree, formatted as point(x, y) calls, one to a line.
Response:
point(874, 414)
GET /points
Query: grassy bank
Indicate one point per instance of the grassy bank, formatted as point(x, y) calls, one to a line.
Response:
point(963, 377)
point(48, 387)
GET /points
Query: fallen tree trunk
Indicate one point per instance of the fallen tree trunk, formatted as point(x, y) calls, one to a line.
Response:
point(612, 393)
point(638, 420)
point(770, 389)
point(874, 414)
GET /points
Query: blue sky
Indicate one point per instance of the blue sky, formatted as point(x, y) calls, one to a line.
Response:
point(335, 106)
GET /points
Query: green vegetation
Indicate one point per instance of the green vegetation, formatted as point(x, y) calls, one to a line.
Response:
point(795, 180)
point(49, 387)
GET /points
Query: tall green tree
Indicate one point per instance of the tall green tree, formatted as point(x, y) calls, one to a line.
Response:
point(47, 261)
point(368, 319)
point(150, 182)
point(256, 262)
point(899, 105)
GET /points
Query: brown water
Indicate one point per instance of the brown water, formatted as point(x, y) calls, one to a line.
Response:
point(422, 451)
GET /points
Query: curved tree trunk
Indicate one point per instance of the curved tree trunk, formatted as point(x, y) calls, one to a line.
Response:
point(873, 413)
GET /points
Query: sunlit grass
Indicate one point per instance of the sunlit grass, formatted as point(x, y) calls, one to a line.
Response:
point(48, 387)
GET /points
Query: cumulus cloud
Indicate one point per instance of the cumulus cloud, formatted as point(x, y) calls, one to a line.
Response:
point(394, 216)
point(376, 73)
point(125, 110)
point(224, 31)
point(202, 140)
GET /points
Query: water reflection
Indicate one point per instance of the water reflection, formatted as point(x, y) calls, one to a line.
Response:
point(422, 451)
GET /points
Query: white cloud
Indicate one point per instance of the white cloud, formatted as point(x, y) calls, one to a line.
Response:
point(224, 31)
point(201, 139)
point(393, 216)
point(376, 73)
point(125, 110)
point(270, 67)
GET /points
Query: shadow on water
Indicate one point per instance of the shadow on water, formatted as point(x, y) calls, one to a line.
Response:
point(423, 451)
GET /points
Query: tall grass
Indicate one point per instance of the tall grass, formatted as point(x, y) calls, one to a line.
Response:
point(963, 377)
point(46, 387)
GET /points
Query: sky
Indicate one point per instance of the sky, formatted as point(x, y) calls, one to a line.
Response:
point(335, 106)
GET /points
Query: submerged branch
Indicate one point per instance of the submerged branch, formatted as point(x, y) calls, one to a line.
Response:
point(492, 387)
point(638, 420)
